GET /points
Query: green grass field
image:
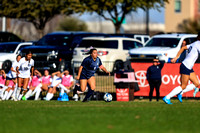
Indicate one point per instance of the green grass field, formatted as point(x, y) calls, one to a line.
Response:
point(139, 116)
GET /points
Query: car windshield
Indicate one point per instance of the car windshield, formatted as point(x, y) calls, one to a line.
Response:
point(99, 44)
point(163, 42)
point(8, 48)
point(59, 40)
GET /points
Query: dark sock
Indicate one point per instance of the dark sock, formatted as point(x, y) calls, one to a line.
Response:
point(88, 95)
point(75, 90)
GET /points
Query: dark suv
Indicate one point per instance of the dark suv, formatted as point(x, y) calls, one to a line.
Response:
point(54, 51)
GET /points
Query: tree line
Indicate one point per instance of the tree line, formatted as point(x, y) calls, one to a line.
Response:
point(39, 12)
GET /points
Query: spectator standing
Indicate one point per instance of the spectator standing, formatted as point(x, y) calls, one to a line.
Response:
point(154, 77)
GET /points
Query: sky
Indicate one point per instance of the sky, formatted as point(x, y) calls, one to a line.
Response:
point(139, 16)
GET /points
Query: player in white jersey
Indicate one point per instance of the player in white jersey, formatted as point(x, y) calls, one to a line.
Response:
point(12, 75)
point(25, 70)
point(56, 80)
point(186, 71)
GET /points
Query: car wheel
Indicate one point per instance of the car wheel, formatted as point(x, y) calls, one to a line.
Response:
point(118, 65)
point(6, 66)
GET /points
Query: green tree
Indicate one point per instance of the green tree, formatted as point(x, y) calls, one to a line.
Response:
point(72, 24)
point(190, 26)
point(38, 12)
point(116, 10)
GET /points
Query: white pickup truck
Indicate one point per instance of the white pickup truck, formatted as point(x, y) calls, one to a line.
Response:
point(8, 53)
point(163, 46)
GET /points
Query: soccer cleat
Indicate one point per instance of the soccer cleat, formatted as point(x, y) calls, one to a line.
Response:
point(195, 91)
point(179, 96)
point(24, 98)
point(167, 101)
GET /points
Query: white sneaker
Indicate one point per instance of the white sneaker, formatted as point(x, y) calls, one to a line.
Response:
point(75, 96)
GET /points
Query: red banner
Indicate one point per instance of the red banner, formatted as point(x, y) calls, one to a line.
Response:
point(122, 94)
point(170, 78)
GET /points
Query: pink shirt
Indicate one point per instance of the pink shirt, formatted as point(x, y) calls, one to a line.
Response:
point(46, 79)
point(67, 80)
point(35, 81)
point(2, 80)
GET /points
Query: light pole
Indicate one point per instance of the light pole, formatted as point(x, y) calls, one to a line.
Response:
point(4, 24)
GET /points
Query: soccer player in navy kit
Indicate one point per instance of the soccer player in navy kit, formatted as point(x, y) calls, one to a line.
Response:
point(86, 72)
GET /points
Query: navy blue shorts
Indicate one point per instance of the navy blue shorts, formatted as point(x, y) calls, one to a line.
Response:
point(83, 76)
point(185, 70)
point(8, 78)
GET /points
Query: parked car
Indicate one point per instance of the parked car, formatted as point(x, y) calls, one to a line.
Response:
point(164, 46)
point(9, 37)
point(141, 37)
point(112, 50)
point(54, 51)
point(8, 53)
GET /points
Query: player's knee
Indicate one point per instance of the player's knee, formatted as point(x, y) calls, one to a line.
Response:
point(183, 87)
point(92, 87)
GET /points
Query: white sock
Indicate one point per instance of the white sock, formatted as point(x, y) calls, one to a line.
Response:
point(188, 88)
point(28, 94)
point(47, 96)
point(20, 97)
point(5, 95)
point(15, 90)
point(18, 92)
point(174, 92)
point(51, 96)
point(64, 88)
point(38, 87)
point(37, 94)
point(2, 91)
point(9, 94)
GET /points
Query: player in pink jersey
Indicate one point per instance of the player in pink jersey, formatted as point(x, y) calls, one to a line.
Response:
point(2, 82)
point(35, 81)
point(56, 80)
point(45, 83)
point(9, 90)
point(67, 82)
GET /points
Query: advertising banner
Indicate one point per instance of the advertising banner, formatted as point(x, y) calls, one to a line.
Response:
point(170, 78)
point(122, 94)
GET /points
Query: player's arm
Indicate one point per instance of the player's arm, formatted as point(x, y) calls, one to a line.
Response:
point(104, 69)
point(13, 70)
point(79, 72)
point(53, 74)
point(32, 69)
point(40, 75)
point(17, 70)
point(4, 74)
point(179, 53)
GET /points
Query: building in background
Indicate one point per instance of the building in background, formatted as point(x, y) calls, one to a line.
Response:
point(177, 11)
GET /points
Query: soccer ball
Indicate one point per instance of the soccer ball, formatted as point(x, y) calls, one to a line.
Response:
point(107, 97)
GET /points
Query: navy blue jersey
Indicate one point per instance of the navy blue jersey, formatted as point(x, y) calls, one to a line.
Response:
point(90, 66)
point(154, 72)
